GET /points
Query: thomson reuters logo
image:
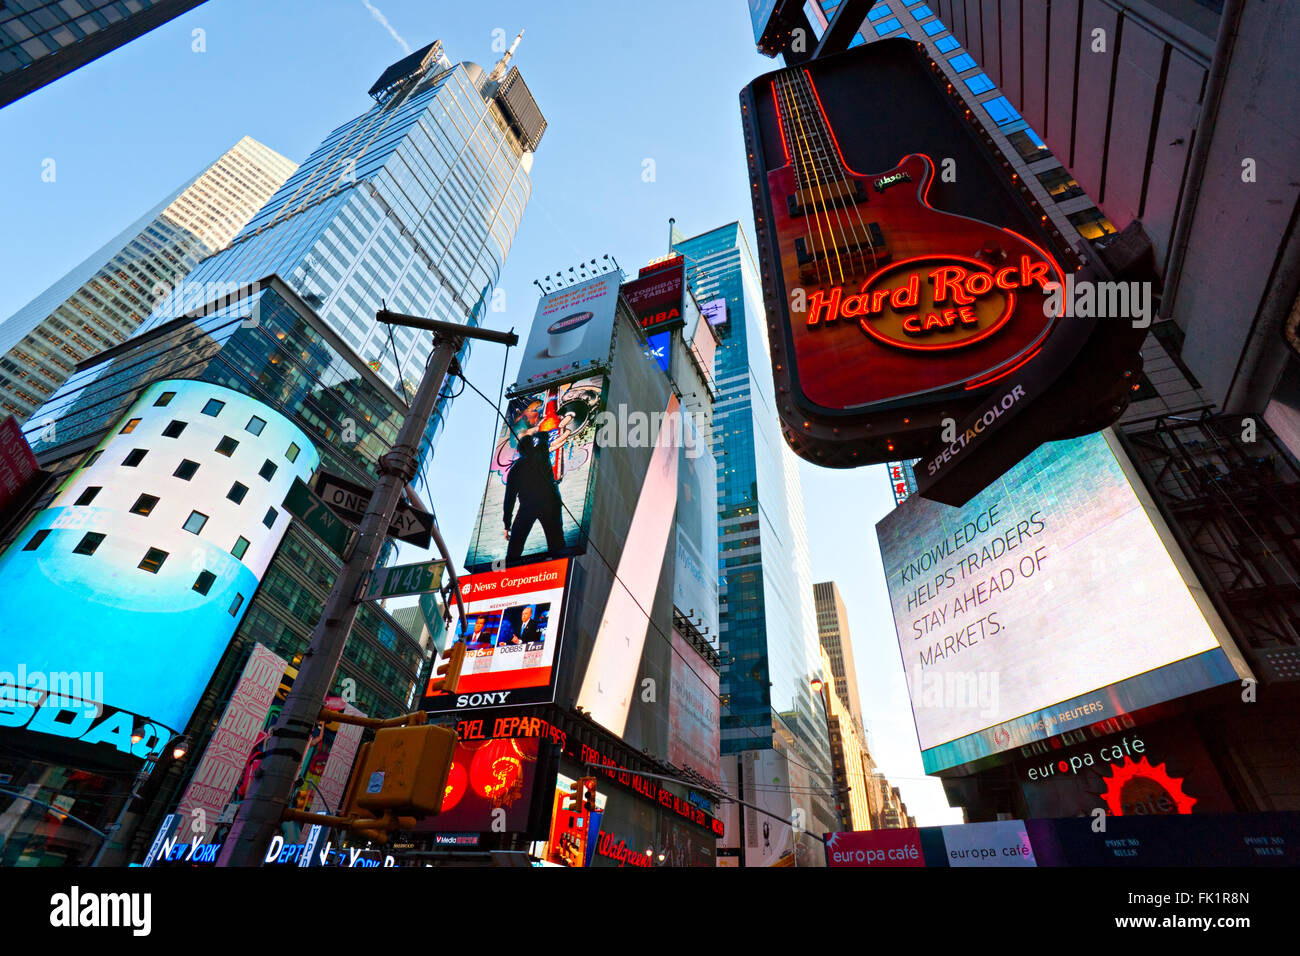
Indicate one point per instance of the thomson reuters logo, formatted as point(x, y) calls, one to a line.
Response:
point(934, 302)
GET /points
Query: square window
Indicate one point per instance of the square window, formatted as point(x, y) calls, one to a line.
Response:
point(292, 452)
point(203, 583)
point(164, 399)
point(144, 505)
point(271, 515)
point(240, 547)
point(962, 62)
point(946, 44)
point(237, 492)
point(236, 604)
point(134, 457)
point(213, 407)
point(979, 83)
point(93, 458)
point(174, 429)
point(186, 469)
point(255, 425)
point(195, 522)
point(268, 469)
point(227, 446)
point(933, 27)
point(37, 538)
point(129, 426)
point(88, 543)
point(152, 560)
point(88, 495)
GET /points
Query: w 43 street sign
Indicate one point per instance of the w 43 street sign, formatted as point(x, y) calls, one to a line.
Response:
point(405, 579)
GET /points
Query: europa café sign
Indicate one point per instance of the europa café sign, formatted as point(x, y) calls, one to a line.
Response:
point(888, 314)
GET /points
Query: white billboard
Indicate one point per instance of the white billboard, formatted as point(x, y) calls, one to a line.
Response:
point(1048, 602)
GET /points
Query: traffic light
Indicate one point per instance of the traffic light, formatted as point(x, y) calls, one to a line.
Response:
point(447, 676)
point(400, 777)
point(573, 802)
point(589, 798)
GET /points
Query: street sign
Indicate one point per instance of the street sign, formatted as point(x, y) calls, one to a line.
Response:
point(304, 505)
point(350, 500)
point(419, 578)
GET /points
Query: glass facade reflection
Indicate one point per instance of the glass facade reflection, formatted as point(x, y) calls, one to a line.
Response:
point(769, 645)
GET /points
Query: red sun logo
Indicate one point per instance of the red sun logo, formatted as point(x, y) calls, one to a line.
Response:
point(1133, 783)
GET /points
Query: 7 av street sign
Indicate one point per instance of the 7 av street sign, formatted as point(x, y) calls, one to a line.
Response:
point(311, 511)
point(349, 500)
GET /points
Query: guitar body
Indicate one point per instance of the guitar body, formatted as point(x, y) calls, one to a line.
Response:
point(866, 289)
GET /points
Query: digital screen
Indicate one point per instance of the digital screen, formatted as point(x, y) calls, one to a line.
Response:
point(695, 580)
point(1049, 602)
point(537, 502)
point(141, 568)
point(510, 630)
point(694, 734)
point(656, 297)
point(572, 329)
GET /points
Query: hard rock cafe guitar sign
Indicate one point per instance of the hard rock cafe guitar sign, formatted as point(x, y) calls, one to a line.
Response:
point(886, 315)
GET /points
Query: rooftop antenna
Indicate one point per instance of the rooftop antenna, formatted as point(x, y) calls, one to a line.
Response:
point(499, 70)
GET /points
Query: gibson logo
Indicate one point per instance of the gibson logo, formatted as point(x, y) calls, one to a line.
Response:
point(958, 302)
point(884, 182)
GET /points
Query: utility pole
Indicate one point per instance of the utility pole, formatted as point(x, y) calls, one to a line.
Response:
point(260, 814)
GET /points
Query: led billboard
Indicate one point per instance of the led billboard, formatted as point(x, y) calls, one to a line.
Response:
point(489, 788)
point(694, 712)
point(695, 578)
point(571, 331)
point(656, 295)
point(537, 503)
point(899, 291)
point(165, 529)
point(511, 629)
point(1048, 603)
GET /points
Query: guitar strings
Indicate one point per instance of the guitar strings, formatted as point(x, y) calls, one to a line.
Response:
point(783, 119)
point(804, 164)
point(817, 189)
point(826, 125)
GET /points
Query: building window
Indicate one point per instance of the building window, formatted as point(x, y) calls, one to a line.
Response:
point(887, 26)
point(1060, 184)
point(271, 515)
point(236, 604)
point(203, 583)
point(174, 429)
point(237, 492)
point(962, 62)
point(240, 547)
point(268, 469)
point(292, 452)
point(1000, 110)
point(88, 543)
point(227, 446)
point(1091, 223)
point(1026, 145)
point(213, 407)
point(164, 399)
point(152, 560)
point(134, 457)
point(36, 540)
point(255, 425)
point(186, 469)
point(94, 457)
point(88, 495)
point(195, 522)
point(129, 426)
point(921, 13)
point(933, 27)
point(144, 505)
point(979, 83)
point(946, 44)
point(878, 11)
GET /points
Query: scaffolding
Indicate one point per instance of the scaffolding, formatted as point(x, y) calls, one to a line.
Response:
point(1230, 492)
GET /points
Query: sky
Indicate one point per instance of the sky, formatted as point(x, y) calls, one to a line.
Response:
point(625, 89)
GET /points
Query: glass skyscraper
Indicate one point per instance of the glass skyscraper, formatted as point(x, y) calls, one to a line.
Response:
point(102, 301)
point(769, 646)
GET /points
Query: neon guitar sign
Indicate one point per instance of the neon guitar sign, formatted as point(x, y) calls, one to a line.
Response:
point(898, 298)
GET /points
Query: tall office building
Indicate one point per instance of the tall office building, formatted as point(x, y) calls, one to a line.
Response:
point(833, 632)
point(768, 627)
point(42, 40)
point(102, 301)
point(167, 456)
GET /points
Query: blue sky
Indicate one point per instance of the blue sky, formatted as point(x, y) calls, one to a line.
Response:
point(619, 83)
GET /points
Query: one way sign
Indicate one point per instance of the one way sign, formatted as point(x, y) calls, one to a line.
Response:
point(349, 500)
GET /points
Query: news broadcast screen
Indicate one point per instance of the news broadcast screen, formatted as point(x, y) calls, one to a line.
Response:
point(510, 628)
point(1049, 602)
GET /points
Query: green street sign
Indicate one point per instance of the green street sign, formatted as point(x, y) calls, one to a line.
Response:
point(406, 579)
point(303, 504)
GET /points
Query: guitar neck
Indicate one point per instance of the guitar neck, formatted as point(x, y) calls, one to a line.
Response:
point(806, 132)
